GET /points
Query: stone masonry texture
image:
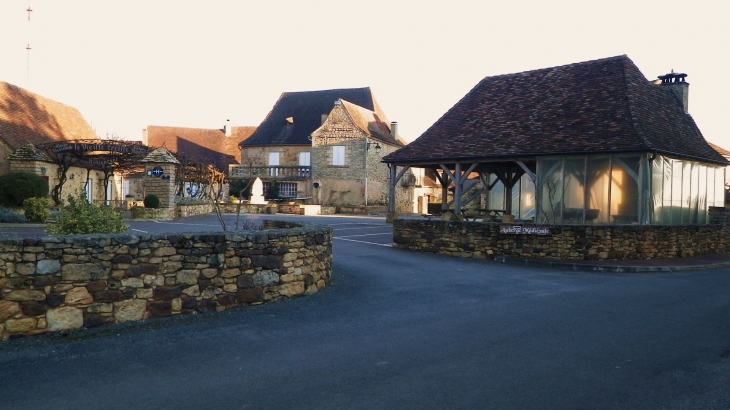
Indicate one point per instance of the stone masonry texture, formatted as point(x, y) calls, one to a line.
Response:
point(53, 284)
point(567, 242)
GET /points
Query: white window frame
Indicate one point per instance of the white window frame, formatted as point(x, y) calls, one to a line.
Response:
point(274, 162)
point(338, 155)
point(305, 158)
point(287, 189)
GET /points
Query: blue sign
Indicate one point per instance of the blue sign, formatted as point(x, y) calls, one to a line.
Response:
point(157, 171)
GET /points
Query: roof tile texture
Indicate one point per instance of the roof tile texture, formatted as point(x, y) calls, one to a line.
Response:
point(306, 109)
point(27, 117)
point(201, 144)
point(591, 107)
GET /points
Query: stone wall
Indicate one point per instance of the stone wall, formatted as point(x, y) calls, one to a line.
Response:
point(53, 284)
point(162, 214)
point(567, 242)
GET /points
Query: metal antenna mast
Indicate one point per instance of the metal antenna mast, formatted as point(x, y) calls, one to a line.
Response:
point(27, 62)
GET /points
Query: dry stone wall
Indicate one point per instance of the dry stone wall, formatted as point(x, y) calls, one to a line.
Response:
point(53, 284)
point(566, 242)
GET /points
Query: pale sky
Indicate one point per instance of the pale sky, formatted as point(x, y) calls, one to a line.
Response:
point(195, 63)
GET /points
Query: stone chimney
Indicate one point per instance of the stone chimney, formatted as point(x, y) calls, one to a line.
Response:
point(227, 128)
point(144, 136)
point(394, 129)
point(678, 86)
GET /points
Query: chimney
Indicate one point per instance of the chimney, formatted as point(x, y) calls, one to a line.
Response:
point(394, 129)
point(324, 118)
point(144, 136)
point(227, 128)
point(678, 86)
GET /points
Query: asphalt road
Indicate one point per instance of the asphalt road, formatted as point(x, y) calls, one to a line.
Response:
point(402, 330)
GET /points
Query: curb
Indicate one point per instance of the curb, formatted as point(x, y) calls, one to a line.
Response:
point(581, 266)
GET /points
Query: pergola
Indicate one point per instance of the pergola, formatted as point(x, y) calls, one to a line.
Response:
point(108, 156)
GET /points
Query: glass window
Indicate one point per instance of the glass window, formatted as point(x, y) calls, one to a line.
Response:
point(686, 200)
point(338, 155)
point(598, 182)
point(288, 189)
point(550, 190)
point(304, 159)
point(702, 195)
point(573, 191)
point(657, 190)
point(527, 198)
point(273, 164)
point(495, 200)
point(625, 190)
point(676, 210)
point(720, 186)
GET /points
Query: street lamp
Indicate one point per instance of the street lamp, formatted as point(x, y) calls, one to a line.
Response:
point(377, 147)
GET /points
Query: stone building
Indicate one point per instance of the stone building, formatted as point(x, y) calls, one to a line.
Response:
point(217, 147)
point(323, 145)
point(586, 143)
point(346, 153)
point(28, 120)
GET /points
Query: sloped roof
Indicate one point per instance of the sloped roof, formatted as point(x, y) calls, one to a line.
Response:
point(201, 144)
point(598, 106)
point(720, 150)
point(27, 117)
point(305, 108)
point(369, 122)
point(161, 155)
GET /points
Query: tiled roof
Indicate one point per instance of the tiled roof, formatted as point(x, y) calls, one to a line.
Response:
point(722, 151)
point(598, 106)
point(370, 122)
point(305, 109)
point(201, 144)
point(161, 155)
point(27, 117)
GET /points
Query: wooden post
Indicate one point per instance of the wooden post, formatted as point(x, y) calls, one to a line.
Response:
point(391, 189)
point(457, 189)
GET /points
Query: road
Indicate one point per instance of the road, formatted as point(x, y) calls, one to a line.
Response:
point(403, 330)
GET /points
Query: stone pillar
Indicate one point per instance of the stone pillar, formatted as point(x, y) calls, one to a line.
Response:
point(159, 176)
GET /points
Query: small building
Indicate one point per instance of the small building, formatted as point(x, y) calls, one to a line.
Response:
point(323, 145)
point(586, 143)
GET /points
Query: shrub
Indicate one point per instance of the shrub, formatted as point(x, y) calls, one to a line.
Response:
point(240, 187)
point(16, 187)
point(273, 191)
point(151, 201)
point(81, 217)
point(36, 209)
point(8, 216)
